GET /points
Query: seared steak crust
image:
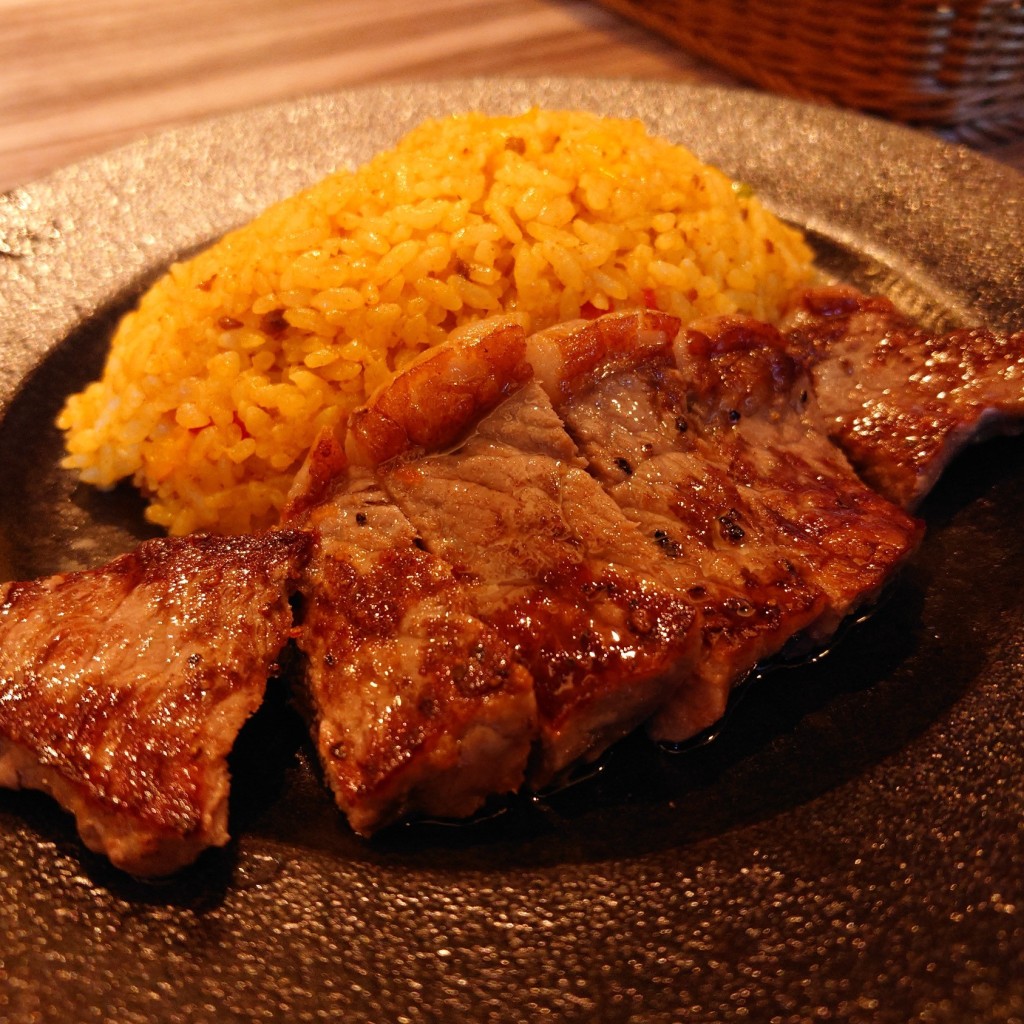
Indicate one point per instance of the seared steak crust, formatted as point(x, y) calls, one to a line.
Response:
point(122, 689)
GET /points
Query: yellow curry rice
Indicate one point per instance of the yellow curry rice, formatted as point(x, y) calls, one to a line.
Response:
point(217, 383)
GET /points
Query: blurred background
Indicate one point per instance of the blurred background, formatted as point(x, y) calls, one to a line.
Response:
point(79, 78)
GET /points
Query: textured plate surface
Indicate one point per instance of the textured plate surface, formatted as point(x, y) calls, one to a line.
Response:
point(850, 848)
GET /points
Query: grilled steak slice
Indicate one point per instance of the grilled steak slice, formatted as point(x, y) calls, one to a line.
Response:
point(553, 564)
point(122, 689)
point(417, 707)
point(899, 400)
point(710, 446)
point(706, 533)
point(754, 400)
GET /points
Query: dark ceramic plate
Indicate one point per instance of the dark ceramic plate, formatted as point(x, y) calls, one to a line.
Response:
point(850, 848)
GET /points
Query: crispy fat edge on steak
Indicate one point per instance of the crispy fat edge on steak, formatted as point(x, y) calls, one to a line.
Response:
point(123, 688)
point(415, 706)
point(901, 400)
point(438, 397)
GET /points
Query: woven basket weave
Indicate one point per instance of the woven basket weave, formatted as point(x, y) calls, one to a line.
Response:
point(957, 65)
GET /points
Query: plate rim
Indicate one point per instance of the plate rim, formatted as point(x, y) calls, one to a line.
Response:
point(94, 172)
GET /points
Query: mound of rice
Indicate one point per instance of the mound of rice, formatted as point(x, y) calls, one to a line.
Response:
point(218, 382)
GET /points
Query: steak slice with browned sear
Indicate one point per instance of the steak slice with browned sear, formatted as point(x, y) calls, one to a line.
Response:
point(416, 706)
point(712, 446)
point(707, 532)
point(552, 563)
point(901, 401)
point(123, 688)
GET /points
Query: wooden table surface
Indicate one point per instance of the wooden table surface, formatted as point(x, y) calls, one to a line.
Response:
point(79, 78)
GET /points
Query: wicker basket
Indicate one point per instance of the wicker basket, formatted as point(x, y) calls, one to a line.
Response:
point(957, 65)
